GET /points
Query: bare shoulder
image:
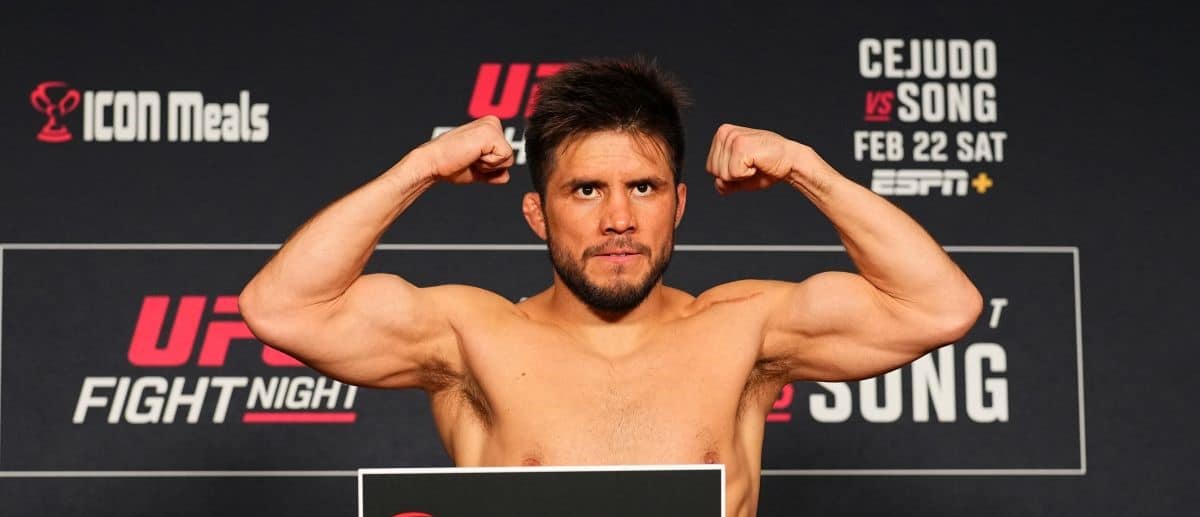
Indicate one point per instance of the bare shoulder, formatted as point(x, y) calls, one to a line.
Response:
point(535, 307)
point(459, 301)
point(752, 293)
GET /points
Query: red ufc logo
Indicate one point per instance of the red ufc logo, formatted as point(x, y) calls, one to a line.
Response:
point(144, 349)
point(516, 83)
point(879, 106)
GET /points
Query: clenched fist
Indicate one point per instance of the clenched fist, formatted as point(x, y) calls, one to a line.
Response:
point(743, 158)
point(476, 152)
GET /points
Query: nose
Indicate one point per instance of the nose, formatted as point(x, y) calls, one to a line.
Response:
point(618, 216)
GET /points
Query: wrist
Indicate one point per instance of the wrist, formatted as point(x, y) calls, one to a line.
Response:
point(809, 172)
point(413, 172)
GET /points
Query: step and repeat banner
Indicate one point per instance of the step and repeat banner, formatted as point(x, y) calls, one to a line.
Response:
point(154, 157)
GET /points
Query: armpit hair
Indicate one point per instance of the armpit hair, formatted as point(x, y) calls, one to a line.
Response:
point(439, 377)
point(765, 380)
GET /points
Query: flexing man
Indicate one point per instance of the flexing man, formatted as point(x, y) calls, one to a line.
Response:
point(608, 365)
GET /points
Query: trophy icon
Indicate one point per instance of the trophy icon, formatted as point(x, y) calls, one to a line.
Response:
point(68, 99)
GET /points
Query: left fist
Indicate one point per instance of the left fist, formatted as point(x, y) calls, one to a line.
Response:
point(743, 158)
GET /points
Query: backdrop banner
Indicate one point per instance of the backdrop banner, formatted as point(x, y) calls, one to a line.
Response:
point(155, 157)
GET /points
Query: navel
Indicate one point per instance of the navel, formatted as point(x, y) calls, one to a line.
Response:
point(531, 462)
point(712, 458)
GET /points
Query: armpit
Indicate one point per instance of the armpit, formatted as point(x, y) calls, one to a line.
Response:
point(763, 383)
point(437, 375)
point(457, 388)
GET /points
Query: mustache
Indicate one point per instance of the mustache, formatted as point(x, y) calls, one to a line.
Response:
point(619, 242)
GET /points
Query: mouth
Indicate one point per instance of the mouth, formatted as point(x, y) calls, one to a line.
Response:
point(617, 254)
point(618, 257)
point(618, 251)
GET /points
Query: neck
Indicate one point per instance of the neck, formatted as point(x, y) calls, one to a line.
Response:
point(605, 333)
point(569, 309)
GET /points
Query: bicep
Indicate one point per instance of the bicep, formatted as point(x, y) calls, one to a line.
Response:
point(837, 326)
point(382, 331)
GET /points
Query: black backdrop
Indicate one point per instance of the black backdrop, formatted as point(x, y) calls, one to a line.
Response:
point(1094, 195)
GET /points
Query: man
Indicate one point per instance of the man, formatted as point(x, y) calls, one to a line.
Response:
point(608, 365)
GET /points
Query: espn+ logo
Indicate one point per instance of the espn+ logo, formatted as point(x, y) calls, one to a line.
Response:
point(157, 399)
point(506, 91)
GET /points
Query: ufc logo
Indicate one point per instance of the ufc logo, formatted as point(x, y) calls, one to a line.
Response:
point(879, 106)
point(516, 83)
point(189, 315)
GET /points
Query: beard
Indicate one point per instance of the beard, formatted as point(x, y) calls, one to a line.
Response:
point(620, 297)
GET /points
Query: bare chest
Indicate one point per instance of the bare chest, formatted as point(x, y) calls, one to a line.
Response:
point(551, 400)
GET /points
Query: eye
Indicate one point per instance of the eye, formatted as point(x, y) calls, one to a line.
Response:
point(587, 192)
point(643, 189)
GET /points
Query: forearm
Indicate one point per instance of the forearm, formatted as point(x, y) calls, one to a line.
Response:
point(891, 251)
point(328, 253)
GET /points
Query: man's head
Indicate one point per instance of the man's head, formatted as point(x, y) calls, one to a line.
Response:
point(631, 96)
point(605, 151)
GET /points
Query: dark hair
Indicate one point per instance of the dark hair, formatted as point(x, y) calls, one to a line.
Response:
point(604, 94)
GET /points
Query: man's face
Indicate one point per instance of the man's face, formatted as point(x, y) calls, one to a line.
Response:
point(610, 211)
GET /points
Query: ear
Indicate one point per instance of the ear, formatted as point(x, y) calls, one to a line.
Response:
point(531, 206)
point(681, 201)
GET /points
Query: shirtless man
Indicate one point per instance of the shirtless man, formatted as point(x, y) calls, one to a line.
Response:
point(608, 365)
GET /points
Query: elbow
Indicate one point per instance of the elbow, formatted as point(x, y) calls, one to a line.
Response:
point(262, 302)
point(958, 317)
point(249, 308)
point(265, 321)
point(254, 310)
point(248, 304)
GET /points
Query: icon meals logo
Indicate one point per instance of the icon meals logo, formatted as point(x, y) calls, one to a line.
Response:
point(67, 100)
point(138, 116)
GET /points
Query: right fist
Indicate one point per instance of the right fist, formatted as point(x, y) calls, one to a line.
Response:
point(476, 152)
